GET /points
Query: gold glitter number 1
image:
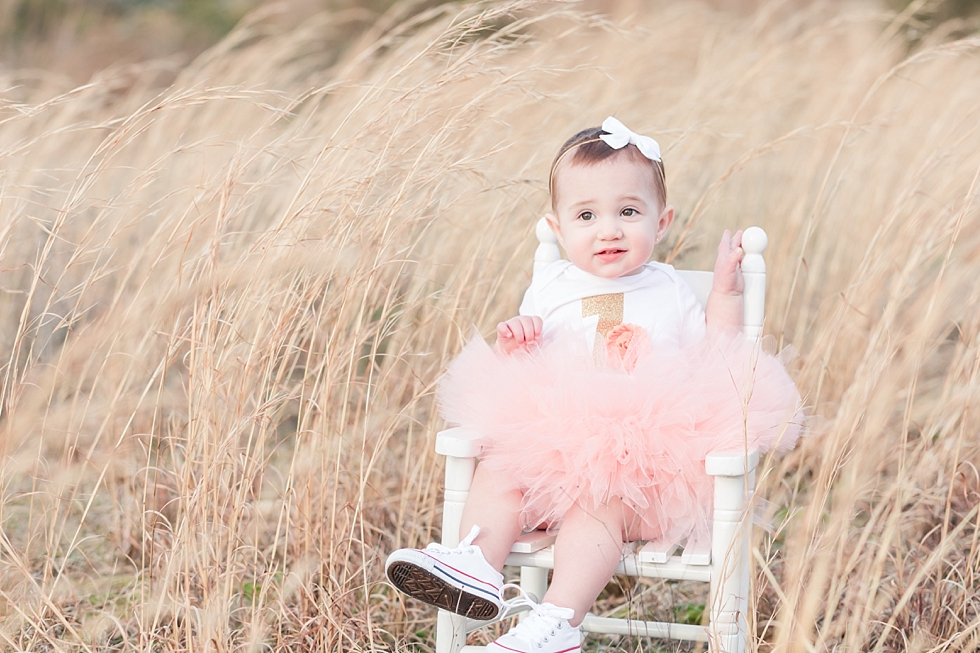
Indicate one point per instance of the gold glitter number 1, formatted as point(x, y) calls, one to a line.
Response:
point(609, 308)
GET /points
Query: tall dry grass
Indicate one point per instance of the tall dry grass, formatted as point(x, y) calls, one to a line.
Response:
point(225, 306)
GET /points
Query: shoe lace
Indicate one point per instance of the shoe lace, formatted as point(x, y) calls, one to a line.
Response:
point(465, 546)
point(543, 622)
point(523, 599)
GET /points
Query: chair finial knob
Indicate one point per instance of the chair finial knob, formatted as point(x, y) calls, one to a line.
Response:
point(754, 240)
point(544, 232)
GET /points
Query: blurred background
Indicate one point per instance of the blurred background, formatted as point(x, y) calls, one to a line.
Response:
point(240, 241)
point(76, 38)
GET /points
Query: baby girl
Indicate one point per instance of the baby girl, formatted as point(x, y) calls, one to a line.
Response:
point(600, 401)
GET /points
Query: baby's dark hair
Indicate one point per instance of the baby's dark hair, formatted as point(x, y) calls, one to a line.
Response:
point(586, 148)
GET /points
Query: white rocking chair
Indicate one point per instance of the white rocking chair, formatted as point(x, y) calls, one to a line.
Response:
point(723, 562)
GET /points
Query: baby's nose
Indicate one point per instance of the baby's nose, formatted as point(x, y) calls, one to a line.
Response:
point(609, 229)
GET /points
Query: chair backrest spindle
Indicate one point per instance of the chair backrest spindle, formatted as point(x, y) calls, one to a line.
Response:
point(754, 242)
point(547, 251)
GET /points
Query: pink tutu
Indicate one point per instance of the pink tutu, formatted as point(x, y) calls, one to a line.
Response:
point(567, 429)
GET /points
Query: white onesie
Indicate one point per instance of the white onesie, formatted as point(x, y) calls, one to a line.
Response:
point(655, 298)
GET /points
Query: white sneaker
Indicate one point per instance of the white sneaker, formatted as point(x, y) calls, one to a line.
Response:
point(459, 580)
point(545, 630)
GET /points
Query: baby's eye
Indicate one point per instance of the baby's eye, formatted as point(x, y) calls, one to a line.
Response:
point(628, 213)
point(586, 216)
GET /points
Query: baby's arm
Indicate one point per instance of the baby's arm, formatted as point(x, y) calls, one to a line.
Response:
point(724, 309)
point(518, 332)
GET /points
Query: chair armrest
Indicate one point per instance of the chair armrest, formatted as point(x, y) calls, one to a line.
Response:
point(458, 443)
point(731, 463)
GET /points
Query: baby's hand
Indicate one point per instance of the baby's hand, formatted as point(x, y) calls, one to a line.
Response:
point(518, 332)
point(728, 266)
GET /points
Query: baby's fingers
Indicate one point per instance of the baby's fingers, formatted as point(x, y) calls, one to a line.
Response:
point(513, 329)
point(537, 326)
point(737, 238)
point(518, 331)
point(736, 244)
point(505, 337)
point(525, 329)
point(736, 255)
point(725, 245)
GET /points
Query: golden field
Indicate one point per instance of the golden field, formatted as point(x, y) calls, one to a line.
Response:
point(226, 302)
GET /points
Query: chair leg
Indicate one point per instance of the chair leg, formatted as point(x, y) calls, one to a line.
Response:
point(450, 632)
point(534, 581)
point(728, 602)
point(459, 478)
point(451, 628)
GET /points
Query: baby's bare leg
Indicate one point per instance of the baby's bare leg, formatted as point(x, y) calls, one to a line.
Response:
point(587, 551)
point(495, 507)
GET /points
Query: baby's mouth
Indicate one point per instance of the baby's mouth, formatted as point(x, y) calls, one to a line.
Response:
point(610, 253)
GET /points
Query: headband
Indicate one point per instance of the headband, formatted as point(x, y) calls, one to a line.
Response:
point(617, 136)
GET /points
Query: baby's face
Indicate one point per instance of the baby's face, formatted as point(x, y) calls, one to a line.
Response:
point(609, 217)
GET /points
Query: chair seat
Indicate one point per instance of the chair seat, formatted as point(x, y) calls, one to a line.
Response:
point(632, 564)
point(695, 553)
point(533, 541)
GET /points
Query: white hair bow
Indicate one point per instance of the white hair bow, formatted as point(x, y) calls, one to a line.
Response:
point(619, 135)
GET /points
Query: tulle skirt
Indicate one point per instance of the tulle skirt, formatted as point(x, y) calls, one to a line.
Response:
point(568, 427)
